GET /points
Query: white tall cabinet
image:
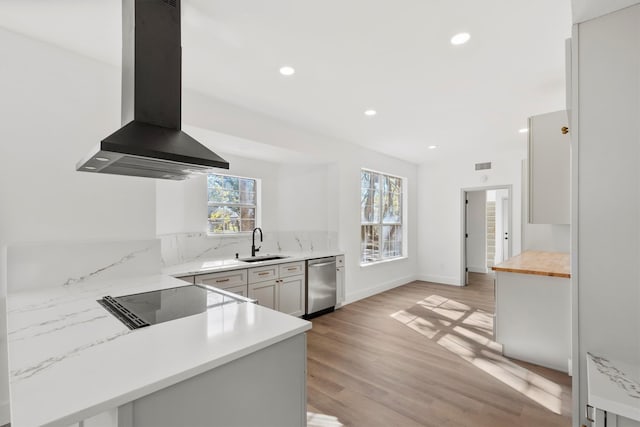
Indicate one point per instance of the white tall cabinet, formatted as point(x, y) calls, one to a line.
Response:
point(606, 193)
point(549, 166)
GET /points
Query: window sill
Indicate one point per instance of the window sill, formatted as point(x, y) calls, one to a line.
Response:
point(384, 261)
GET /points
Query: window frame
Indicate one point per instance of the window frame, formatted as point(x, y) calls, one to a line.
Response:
point(402, 223)
point(257, 207)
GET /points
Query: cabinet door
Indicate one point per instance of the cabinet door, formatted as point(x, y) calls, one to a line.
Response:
point(549, 169)
point(265, 293)
point(340, 285)
point(240, 290)
point(291, 295)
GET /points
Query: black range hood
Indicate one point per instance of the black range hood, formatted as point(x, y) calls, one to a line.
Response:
point(150, 143)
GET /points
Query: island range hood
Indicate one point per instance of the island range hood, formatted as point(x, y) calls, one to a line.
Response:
point(151, 143)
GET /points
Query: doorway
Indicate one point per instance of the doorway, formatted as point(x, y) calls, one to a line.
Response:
point(485, 229)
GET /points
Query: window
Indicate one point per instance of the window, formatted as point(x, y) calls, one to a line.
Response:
point(381, 234)
point(232, 204)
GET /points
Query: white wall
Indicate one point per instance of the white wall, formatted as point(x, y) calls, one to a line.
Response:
point(181, 207)
point(439, 204)
point(365, 281)
point(477, 231)
point(55, 107)
point(583, 10)
point(304, 198)
point(606, 191)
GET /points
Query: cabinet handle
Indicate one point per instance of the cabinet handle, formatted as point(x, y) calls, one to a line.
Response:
point(292, 268)
point(586, 413)
point(564, 130)
point(222, 280)
point(264, 273)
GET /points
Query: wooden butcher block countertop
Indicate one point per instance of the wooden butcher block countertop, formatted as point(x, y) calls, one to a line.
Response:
point(556, 264)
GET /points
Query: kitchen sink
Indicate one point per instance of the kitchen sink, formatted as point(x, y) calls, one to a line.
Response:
point(262, 258)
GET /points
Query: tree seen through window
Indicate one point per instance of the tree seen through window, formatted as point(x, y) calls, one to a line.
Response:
point(232, 203)
point(380, 216)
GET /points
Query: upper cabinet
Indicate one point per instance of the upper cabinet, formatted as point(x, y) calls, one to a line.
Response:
point(549, 169)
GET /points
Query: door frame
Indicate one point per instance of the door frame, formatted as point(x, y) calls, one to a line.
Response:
point(463, 224)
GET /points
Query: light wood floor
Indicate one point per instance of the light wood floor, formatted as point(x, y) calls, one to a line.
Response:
point(422, 355)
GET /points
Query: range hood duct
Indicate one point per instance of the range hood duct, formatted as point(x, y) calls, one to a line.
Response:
point(151, 143)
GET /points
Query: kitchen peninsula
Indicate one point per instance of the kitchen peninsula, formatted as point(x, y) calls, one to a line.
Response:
point(533, 308)
point(72, 361)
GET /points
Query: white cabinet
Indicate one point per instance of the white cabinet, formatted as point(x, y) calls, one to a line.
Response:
point(280, 287)
point(264, 293)
point(233, 281)
point(290, 295)
point(340, 273)
point(549, 169)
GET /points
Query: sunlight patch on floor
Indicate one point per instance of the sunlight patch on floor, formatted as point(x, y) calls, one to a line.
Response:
point(321, 420)
point(468, 333)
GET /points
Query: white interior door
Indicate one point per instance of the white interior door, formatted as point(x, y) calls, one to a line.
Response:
point(466, 237)
point(506, 239)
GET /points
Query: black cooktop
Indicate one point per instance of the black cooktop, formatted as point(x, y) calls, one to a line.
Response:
point(150, 308)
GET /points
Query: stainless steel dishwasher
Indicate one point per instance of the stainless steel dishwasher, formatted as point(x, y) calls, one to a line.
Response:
point(321, 286)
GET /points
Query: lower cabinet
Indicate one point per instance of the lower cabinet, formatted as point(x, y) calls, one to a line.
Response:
point(340, 273)
point(277, 286)
point(265, 293)
point(280, 288)
point(290, 295)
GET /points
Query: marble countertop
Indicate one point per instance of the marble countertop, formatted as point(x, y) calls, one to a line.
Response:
point(613, 386)
point(217, 265)
point(69, 359)
point(556, 264)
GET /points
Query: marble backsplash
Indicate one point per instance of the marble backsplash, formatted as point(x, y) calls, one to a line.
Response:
point(68, 264)
point(187, 247)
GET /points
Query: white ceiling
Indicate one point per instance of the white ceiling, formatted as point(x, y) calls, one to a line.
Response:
point(392, 56)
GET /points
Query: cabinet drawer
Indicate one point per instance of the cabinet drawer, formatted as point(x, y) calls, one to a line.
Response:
point(291, 269)
point(224, 279)
point(260, 274)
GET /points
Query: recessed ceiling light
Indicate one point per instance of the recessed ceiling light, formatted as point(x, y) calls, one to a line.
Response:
point(287, 70)
point(432, 147)
point(523, 130)
point(460, 38)
point(101, 159)
point(91, 168)
point(370, 113)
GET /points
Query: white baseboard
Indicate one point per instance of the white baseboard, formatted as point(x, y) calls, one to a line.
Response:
point(444, 280)
point(365, 293)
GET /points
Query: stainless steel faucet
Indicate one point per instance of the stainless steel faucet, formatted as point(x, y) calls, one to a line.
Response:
point(253, 241)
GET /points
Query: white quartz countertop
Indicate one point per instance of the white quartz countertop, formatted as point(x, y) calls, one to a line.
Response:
point(613, 386)
point(218, 265)
point(70, 359)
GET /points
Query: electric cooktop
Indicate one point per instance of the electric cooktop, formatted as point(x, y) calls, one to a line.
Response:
point(149, 308)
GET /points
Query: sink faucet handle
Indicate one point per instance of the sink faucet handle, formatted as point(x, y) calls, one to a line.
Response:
point(258, 248)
